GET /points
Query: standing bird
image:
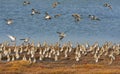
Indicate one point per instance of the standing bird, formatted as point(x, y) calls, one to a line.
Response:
point(61, 35)
point(26, 3)
point(107, 5)
point(55, 4)
point(9, 21)
point(13, 39)
point(34, 11)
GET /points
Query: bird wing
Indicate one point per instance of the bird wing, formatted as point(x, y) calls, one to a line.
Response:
point(22, 39)
point(61, 37)
point(11, 37)
point(59, 32)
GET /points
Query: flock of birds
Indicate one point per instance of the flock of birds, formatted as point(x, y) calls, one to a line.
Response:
point(76, 16)
point(35, 53)
point(33, 12)
point(47, 16)
point(54, 52)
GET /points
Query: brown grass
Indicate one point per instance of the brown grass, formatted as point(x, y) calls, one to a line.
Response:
point(24, 67)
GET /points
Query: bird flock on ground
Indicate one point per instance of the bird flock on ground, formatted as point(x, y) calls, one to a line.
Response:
point(36, 53)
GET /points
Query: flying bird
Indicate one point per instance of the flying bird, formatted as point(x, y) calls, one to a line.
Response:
point(93, 17)
point(34, 11)
point(55, 4)
point(108, 5)
point(76, 16)
point(61, 35)
point(57, 15)
point(26, 3)
point(13, 38)
point(25, 40)
point(47, 16)
point(9, 21)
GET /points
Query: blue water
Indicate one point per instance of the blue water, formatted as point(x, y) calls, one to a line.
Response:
point(40, 30)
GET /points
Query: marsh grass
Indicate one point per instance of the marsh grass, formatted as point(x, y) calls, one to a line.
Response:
point(24, 67)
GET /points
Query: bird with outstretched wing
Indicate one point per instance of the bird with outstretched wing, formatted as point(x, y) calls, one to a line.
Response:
point(13, 38)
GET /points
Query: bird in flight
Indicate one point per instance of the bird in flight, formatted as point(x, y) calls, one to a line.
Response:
point(26, 3)
point(34, 11)
point(25, 40)
point(108, 5)
point(13, 38)
point(93, 17)
point(55, 4)
point(9, 21)
point(77, 17)
point(47, 16)
point(61, 35)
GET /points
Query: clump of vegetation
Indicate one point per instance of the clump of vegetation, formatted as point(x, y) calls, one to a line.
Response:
point(88, 66)
point(20, 63)
point(15, 66)
point(21, 67)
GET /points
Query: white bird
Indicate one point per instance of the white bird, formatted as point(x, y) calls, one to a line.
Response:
point(30, 60)
point(34, 11)
point(8, 58)
point(61, 35)
point(0, 56)
point(24, 58)
point(13, 38)
point(40, 57)
point(34, 60)
point(38, 45)
point(9, 21)
point(17, 55)
point(93, 17)
point(13, 58)
point(56, 57)
point(47, 16)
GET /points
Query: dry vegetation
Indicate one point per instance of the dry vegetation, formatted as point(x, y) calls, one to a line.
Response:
point(60, 67)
